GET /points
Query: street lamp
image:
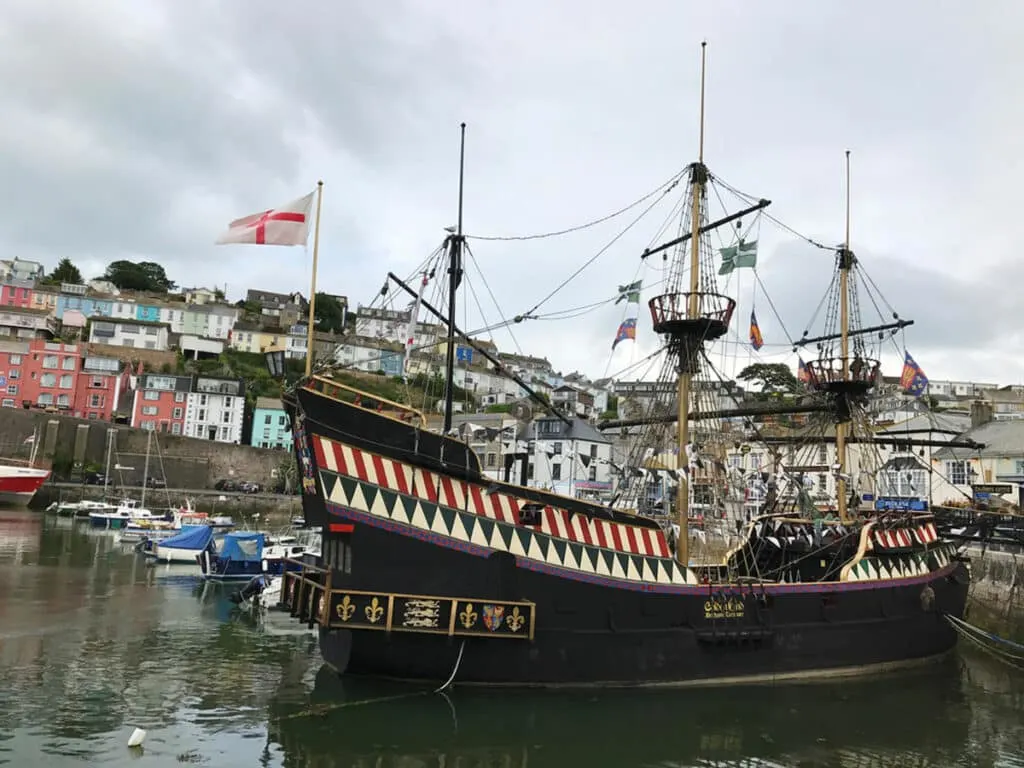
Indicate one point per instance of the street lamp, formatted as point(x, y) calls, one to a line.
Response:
point(275, 363)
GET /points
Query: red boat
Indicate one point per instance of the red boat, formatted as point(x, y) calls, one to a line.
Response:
point(19, 483)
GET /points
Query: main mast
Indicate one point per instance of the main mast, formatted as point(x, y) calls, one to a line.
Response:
point(845, 264)
point(455, 243)
point(697, 180)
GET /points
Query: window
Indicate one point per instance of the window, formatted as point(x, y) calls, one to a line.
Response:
point(151, 331)
point(823, 482)
point(175, 429)
point(226, 417)
point(97, 381)
point(64, 401)
point(556, 472)
point(266, 433)
point(822, 454)
point(150, 345)
point(132, 330)
point(201, 416)
point(48, 380)
point(956, 472)
point(592, 474)
point(68, 364)
point(179, 397)
point(65, 380)
point(266, 419)
point(150, 425)
point(150, 410)
point(557, 448)
point(593, 451)
point(228, 402)
point(95, 401)
point(202, 399)
point(1020, 467)
point(45, 398)
point(282, 421)
point(49, 361)
point(15, 359)
point(177, 413)
point(7, 403)
point(150, 394)
point(127, 343)
point(492, 459)
point(14, 373)
point(529, 471)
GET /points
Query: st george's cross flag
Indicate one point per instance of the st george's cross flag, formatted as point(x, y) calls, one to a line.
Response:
point(285, 225)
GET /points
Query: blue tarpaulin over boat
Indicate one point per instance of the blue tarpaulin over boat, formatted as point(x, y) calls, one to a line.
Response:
point(242, 547)
point(195, 537)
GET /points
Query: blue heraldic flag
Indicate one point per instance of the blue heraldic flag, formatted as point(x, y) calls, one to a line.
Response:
point(912, 380)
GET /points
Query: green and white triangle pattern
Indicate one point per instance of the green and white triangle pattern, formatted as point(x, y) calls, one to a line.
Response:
point(503, 537)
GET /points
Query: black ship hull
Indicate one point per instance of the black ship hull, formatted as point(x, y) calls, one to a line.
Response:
point(523, 610)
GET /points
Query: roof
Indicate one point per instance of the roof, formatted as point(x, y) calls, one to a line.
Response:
point(926, 423)
point(1000, 438)
point(579, 429)
point(269, 404)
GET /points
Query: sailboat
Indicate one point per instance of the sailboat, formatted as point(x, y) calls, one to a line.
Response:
point(432, 570)
point(20, 480)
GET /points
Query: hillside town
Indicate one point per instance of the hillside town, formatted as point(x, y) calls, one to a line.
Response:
point(188, 362)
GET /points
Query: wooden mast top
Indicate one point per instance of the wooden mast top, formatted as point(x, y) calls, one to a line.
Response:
point(845, 264)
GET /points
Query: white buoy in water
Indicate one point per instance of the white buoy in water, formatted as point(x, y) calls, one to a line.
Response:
point(137, 737)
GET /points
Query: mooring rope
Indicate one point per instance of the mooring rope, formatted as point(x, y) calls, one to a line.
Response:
point(977, 637)
point(322, 709)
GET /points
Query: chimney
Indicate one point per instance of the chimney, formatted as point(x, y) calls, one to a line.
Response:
point(981, 413)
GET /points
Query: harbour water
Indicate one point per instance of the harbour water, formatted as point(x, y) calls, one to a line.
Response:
point(94, 643)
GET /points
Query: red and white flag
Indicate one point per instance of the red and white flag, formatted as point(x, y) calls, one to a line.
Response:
point(285, 225)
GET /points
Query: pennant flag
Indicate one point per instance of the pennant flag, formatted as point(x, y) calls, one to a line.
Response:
point(630, 293)
point(912, 380)
point(627, 330)
point(738, 256)
point(803, 374)
point(285, 225)
point(756, 339)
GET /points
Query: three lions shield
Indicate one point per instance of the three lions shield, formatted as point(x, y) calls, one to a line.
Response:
point(493, 615)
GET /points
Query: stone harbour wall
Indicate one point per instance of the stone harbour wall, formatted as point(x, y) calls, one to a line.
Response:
point(183, 462)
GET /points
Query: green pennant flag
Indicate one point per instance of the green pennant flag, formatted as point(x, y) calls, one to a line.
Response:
point(738, 256)
point(630, 293)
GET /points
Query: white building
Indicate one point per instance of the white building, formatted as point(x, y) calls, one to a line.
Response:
point(21, 269)
point(140, 334)
point(174, 316)
point(215, 409)
point(393, 325)
point(570, 459)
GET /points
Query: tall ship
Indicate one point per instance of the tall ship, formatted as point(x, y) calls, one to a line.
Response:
point(434, 570)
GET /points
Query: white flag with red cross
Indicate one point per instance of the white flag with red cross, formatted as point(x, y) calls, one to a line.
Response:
point(285, 225)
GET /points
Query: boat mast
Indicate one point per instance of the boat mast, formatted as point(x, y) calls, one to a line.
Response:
point(455, 243)
point(845, 264)
point(697, 181)
point(145, 469)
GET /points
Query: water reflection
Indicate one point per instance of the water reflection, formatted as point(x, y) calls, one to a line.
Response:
point(93, 643)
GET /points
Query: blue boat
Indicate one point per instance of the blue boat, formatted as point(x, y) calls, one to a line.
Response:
point(244, 555)
point(184, 547)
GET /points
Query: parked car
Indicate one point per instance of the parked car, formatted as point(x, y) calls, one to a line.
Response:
point(248, 487)
point(156, 482)
point(226, 485)
point(94, 478)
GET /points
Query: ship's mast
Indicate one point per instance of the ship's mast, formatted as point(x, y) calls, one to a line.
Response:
point(697, 181)
point(845, 264)
point(455, 243)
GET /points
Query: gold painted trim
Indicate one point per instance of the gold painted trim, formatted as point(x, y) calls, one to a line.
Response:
point(865, 540)
point(363, 393)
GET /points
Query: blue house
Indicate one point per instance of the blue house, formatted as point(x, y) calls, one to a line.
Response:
point(391, 362)
point(148, 313)
point(87, 305)
point(270, 425)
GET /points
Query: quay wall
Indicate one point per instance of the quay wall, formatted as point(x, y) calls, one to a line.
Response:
point(182, 462)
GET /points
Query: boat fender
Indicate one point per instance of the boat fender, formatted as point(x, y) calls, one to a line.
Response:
point(264, 565)
point(928, 599)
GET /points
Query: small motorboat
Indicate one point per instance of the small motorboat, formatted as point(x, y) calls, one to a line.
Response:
point(185, 547)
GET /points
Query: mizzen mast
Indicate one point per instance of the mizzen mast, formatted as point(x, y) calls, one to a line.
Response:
point(845, 265)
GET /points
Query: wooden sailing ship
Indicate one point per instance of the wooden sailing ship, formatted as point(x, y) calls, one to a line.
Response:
point(432, 570)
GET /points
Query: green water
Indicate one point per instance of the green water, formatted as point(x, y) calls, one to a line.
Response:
point(93, 643)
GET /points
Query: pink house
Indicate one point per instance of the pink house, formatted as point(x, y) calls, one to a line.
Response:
point(16, 293)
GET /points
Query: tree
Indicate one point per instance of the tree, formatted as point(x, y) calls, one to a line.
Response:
point(330, 314)
point(138, 276)
point(773, 378)
point(65, 272)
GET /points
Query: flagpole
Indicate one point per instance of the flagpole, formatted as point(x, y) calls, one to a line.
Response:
point(311, 321)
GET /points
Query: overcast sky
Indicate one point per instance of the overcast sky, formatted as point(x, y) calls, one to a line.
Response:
point(137, 129)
